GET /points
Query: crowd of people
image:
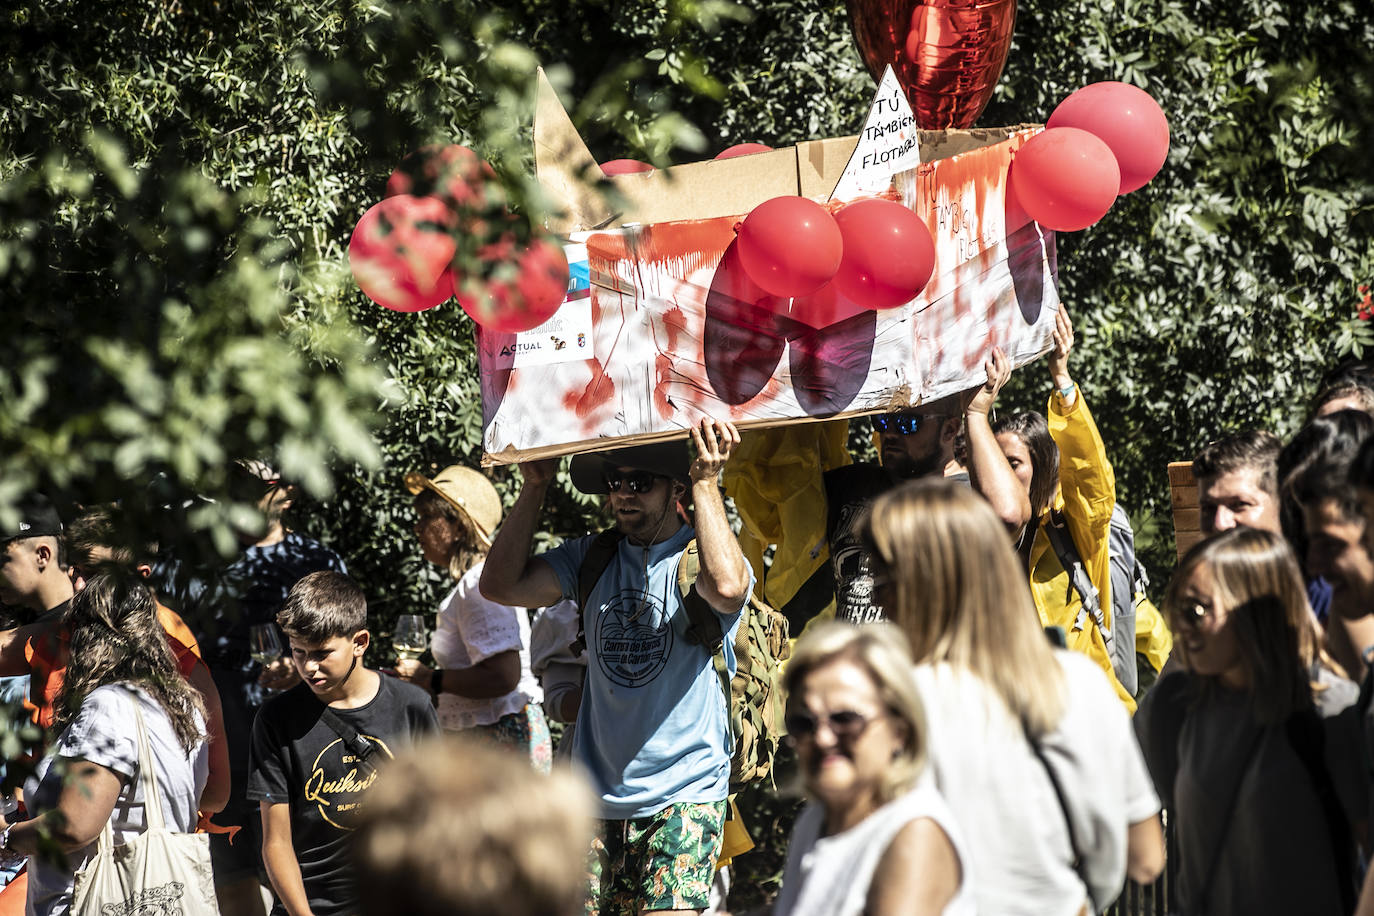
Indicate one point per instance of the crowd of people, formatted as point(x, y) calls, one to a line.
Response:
point(989, 718)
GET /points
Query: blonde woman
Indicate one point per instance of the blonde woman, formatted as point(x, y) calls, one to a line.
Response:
point(481, 648)
point(877, 838)
point(1052, 796)
point(1255, 746)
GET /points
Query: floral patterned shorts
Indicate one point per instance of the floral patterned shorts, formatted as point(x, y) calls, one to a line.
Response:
point(665, 861)
point(526, 731)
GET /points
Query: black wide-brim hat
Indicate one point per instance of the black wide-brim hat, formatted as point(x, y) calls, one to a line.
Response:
point(666, 459)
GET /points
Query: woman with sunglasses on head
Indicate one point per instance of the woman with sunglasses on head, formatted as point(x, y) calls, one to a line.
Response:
point(1062, 463)
point(1028, 745)
point(876, 838)
point(1255, 745)
point(482, 676)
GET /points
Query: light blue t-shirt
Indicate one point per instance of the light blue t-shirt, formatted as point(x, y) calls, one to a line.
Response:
point(653, 728)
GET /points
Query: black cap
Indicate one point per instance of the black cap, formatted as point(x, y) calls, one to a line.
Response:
point(37, 518)
point(666, 459)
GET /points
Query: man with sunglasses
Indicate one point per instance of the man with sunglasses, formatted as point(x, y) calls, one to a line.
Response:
point(652, 728)
point(914, 443)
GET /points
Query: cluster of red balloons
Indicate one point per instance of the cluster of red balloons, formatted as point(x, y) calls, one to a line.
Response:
point(402, 249)
point(1104, 140)
point(872, 254)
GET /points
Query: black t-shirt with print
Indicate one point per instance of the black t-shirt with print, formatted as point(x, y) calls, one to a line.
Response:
point(849, 491)
point(297, 759)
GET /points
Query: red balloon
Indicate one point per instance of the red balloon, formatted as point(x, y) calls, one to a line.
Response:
point(625, 167)
point(401, 252)
point(1065, 178)
point(947, 54)
point(790, 246)
point(742, 149)
point(528, 298)
point(1127, 120)
point(826, 306)
point(889, 253)
point(453, 173)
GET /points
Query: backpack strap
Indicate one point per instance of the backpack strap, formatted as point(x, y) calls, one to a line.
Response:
point(1072, 561)
point(361, 748)
point(1079, 861)
point(703, 625)
point(595, 562)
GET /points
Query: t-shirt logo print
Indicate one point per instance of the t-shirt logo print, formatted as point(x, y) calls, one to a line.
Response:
point(633, 639)
point(337, 780)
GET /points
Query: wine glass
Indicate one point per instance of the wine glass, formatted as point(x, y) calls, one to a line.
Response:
point(266, 645)
point(410, 638)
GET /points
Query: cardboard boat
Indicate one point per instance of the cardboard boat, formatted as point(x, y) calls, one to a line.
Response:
point(651, 338)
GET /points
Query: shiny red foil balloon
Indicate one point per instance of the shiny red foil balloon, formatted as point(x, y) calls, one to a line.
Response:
point(947, 54)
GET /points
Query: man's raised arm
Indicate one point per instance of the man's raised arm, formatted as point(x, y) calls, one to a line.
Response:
point(510, 575)
point(724, 577)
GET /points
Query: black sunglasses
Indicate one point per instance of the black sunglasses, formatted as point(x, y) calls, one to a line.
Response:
point(904, 424)
point(845, 725)
point(637, 481)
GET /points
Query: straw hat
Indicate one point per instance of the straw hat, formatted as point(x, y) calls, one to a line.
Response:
point(468, 491)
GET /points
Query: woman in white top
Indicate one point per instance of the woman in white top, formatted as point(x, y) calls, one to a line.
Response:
point(1028, 744)
point(877, 838)
point(481, 649)
point(120, 665)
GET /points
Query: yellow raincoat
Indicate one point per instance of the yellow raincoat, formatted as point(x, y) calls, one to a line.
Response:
point(775, 480)
point(1086, 498)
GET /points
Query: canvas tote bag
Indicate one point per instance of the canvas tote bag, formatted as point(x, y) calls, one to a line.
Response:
point(157, 872)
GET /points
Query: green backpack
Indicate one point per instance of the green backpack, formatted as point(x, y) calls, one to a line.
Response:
point(754, 696)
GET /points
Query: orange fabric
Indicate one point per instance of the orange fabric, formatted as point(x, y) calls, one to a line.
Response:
point(205, 825)
point(48, 655)
point(179, 632)
point(14, 895)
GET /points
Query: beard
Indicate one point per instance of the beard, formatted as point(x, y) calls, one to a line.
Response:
point(901, 465)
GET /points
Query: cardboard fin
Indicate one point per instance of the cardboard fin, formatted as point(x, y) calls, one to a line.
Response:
point(561, 160)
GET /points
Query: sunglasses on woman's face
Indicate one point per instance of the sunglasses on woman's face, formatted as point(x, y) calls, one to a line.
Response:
point(844, 724)
point(904, 424)
point(636, 481)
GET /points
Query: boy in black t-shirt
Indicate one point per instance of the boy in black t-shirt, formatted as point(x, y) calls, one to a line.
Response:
point(316, 747)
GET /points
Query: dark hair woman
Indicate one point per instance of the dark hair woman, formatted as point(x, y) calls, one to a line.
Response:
point(121, 670)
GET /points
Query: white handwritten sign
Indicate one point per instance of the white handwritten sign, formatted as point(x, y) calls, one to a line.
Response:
point(887, 144)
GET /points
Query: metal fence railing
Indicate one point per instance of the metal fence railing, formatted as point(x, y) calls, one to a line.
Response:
point(1150, 899)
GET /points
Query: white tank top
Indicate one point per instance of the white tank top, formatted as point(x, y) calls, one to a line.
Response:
point(830, 876)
